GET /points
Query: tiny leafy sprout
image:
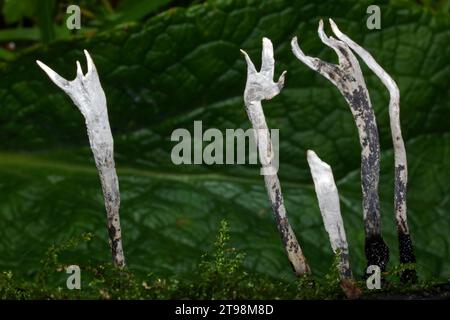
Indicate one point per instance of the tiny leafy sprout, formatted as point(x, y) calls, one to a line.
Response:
point(50, 262)
point(224, 260)
point(112, 282)
point(9, 288)
point(221, 272)
point(327, 287)
point(330, 286)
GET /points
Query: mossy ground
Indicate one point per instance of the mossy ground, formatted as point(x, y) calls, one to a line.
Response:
point(220, 275)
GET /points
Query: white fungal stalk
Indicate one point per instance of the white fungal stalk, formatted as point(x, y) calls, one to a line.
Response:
point(401, 167)
point(87, 94)
point(328, 197)
point(348, 78)
point(260, 86)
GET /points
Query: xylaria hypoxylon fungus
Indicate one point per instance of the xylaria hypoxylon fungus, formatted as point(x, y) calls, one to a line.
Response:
point(401, 168)
point(348, 78)
point(328, 198)
point(260, 86)
point(87, 94)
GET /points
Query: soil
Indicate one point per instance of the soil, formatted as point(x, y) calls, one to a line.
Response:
point(436, 292)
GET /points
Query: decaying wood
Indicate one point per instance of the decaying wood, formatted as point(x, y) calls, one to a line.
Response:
point(87, 94)
point(401, 167)
point(260, 86)
point(348, 78)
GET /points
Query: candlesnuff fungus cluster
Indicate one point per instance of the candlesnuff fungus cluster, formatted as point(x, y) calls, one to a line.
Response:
point(87, 94)
point(401, 169)
point(347, 77)
point(260, 86)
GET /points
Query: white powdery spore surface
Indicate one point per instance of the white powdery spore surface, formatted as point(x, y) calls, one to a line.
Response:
point(328, 197)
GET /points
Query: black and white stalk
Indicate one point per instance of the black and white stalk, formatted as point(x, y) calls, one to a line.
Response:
point(328, 198)
point(260, 86)
point(401, 168)
point(87, 94)
point(348, 78)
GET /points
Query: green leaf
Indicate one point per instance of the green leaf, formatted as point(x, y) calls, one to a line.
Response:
point(16, 10)
point(184, 65)
point(45, 20)
point(134, 10)
point(18, 34)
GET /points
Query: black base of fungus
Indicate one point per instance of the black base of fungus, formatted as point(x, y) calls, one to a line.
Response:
point(377, 252)
point(407, 257)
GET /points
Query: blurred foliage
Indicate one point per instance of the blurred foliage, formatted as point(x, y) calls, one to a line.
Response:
point(26, 22)
point(177, 65)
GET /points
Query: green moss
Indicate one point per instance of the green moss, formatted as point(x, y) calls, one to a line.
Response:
point(220, 275)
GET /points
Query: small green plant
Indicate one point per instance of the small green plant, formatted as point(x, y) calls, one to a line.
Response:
point(110, 282)
point(10, 288)
point(328, 287)
point(221, 271)
point(50, 262)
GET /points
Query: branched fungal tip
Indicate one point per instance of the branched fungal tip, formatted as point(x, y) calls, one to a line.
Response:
point(87, 94)
point(348, 78)
point(260, 86)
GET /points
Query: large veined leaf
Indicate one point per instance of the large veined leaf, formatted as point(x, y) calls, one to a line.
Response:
point(184, 65)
